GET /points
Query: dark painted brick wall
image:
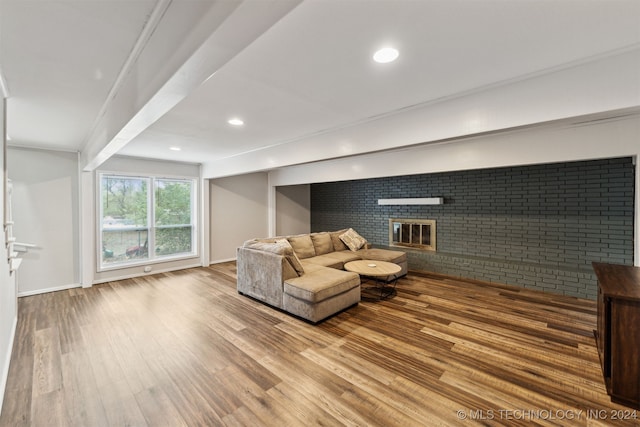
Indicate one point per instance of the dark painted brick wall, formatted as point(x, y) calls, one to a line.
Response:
point(535, 226)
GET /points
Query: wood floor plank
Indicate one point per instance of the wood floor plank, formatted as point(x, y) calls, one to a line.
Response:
point(263, 407)
point(104, 364)
point(303, 410)
point(48, 410)
point(184, 348)
point(366, 377)
point(241, 417)
point(14, 410)
point(47, 371)
point(412, 397)
point(78, 382)
point(120, 405)
point(379, 410)
point(158, 409)
point(69, 328)
point(133, 365)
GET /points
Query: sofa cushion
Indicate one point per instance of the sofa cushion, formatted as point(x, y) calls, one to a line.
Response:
point(279, 247)
point(302, 246)
point(291, 256)
point(255, 243)
point(320, 284)
point(273, 247)
point(338, 244)
point(344, 256)
point(323, 309)
point(310, 267)
point(322, 243)
point(352, 239)
point(382, 255)
point(325, 260)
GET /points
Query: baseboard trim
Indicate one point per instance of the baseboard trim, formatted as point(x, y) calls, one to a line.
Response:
point(220, 261)
point(44, 291)
point(7, 362)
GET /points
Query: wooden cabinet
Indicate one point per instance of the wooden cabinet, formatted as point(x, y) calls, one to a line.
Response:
point(618, 331)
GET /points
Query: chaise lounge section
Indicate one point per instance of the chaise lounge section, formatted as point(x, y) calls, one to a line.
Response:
point(304, 274)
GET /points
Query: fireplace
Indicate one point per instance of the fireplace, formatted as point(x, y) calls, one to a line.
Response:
point(413, 233)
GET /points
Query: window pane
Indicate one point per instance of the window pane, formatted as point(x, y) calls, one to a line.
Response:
point(124, 202)
point(124, 219)
point(415, 234)
point(405, 233)
point(396, 232)
point(426, 235)
point(173, 202)
point(124, 245)
point(174, 240)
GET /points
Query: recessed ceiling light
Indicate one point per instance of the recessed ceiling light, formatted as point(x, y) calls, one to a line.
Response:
point(235, 122)
point(175, 148)
point(386, 54)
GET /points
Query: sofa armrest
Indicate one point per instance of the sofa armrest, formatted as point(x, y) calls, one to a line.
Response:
point(261, 275)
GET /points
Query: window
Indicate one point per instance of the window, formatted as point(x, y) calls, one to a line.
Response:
point(173, 228)
point(143, 219)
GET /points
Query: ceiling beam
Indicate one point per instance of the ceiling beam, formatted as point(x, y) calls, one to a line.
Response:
point(128, 68)
point(227, 28)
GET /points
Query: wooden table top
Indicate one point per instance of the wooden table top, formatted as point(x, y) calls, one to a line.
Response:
point(622, 281)
point(372, 268)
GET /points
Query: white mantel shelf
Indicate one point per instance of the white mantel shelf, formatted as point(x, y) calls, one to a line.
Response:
point(413, 201)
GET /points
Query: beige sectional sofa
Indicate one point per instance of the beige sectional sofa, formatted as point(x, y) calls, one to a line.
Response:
point(304, 274)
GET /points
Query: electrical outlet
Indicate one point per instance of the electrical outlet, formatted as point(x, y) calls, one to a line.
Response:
point(147, 269)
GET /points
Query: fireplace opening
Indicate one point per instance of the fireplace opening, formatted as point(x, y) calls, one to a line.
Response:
point(413, 233)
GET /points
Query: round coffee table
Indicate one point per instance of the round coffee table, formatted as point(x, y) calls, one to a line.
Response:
point(385, 274)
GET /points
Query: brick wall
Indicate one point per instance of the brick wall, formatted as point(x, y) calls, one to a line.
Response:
point(535, 226)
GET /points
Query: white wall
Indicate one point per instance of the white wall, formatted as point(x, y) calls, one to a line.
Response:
point(560, 142)
point(45, 211)
point(132, 166)
point(8, 302)
point(293, 210)
point(238, 211)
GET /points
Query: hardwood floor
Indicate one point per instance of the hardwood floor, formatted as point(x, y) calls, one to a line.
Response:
point(184, 348)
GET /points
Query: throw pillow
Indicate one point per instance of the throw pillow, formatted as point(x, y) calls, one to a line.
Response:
point(353, 240)
point(291, 256)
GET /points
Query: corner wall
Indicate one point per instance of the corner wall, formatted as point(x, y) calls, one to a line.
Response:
point(238, 212)
point(45, 210)
point(293, 210)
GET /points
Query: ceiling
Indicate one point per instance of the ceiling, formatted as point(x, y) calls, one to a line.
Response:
point(136, 77)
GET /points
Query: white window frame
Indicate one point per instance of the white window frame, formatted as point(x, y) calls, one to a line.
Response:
point(151, 227)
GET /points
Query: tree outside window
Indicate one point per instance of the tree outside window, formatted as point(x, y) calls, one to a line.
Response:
point(173, 217)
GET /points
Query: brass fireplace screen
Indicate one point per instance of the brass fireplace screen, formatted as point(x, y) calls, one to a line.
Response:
point(414, 233)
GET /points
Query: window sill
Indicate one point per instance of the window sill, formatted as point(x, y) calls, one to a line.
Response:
point(140, 263)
